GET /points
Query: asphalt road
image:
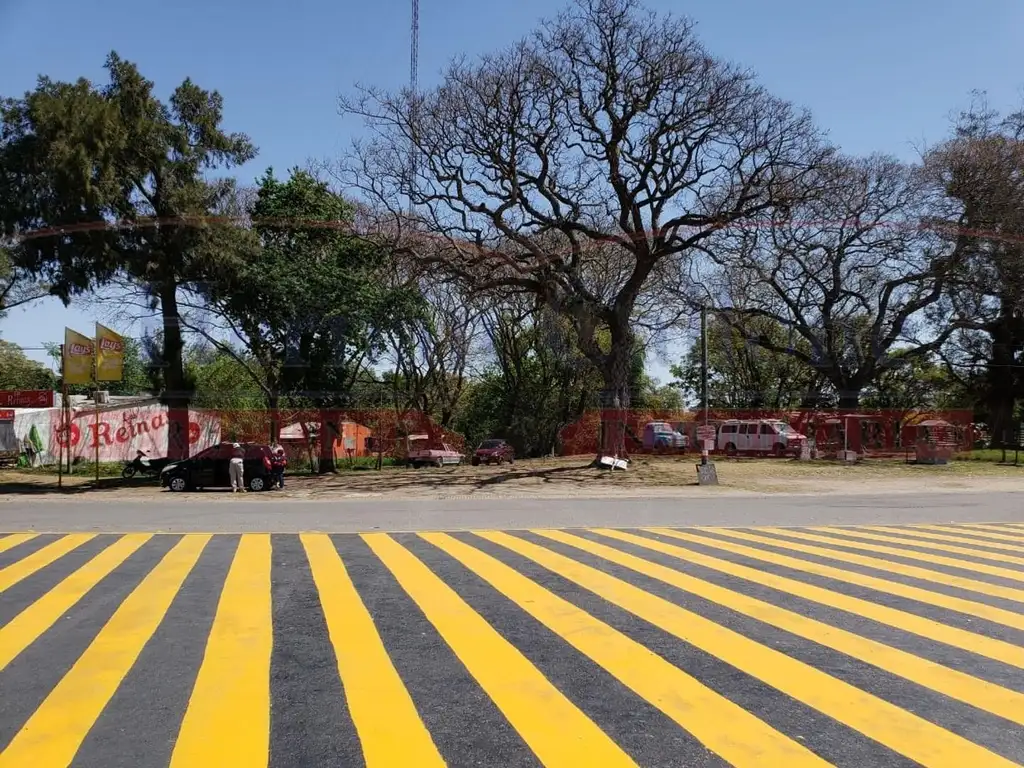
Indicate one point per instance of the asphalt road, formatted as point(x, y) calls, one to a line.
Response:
point(880, 646)
point(227, 513)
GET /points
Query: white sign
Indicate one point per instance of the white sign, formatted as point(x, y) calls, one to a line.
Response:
point(706, 432)
point(709, 445)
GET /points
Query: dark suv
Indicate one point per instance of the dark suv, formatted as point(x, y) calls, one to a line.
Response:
point(493, 451)
point(209, 469)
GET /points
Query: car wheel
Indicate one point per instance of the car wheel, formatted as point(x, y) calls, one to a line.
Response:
point(178, 484)
point(501, 460)
point(730, 449)
point(128, 472)
point(257, 484)
point(779, 450)
point(440, 463)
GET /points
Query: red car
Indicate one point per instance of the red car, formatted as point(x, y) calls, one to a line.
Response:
point(493, 452)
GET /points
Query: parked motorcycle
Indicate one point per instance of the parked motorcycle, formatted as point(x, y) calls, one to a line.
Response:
point(143, 465)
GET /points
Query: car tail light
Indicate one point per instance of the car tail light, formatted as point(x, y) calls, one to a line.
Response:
point(266, 462)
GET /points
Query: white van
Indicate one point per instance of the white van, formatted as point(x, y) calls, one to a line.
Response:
point(759, 436)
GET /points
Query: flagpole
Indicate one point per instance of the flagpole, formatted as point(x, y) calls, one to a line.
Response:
point(96, 398)
point(60, 421)
point(96, 419)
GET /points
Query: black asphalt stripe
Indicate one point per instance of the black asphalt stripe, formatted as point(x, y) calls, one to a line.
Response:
point(918, 546)
point(991, 731)
point(310, 723)
point(465, 724)
point(645, 733)
point(963, 571)
point(829, 583)
point(28, 680)
point(956, 658)
point(833, 741)
point(16, 553)
point(140, 723)
point(19, 596)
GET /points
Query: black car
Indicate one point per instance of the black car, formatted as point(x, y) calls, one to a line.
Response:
point(209, 469)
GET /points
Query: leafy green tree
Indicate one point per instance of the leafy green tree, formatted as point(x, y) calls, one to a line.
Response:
point(221, 381)
point(538, 383)
point(17, 287)
point(105, 181)
point(309, 301)
point(19, 372)
point(978, 171)
point(920, 383)
point(745, 375)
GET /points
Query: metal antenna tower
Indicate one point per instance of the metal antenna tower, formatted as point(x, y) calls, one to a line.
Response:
point(414, 85)
point(414, 50)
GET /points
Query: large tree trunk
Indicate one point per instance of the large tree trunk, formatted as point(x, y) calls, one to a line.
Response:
point(274, 406)
point(1001, 396)
point(176, 395)
point(615, 398)
point(330, 428)
point(849, 398)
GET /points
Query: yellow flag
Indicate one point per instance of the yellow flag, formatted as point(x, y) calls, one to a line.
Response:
point(78, 357)
point(109, 355)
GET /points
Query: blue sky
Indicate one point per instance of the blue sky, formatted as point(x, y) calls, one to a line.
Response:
point(879, 76)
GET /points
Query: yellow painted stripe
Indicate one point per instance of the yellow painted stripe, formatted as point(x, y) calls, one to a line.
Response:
point(23, 630)
point(554, 728)
point(890, 566)
point(41, 558)
point(746, 741)
point(1003, 533)
point(940, 533)
point(908, 622)
point(228, 717)
point(949, 562)
point(53, 734)
point(862, 534)
point(14, 539)
point(970, 690)
point(892, 726)
point(390, 729)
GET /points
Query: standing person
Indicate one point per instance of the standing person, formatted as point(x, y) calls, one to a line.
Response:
point(237, 468)
point(278, 462)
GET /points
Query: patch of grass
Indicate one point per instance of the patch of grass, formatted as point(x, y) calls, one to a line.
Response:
point(991, 455)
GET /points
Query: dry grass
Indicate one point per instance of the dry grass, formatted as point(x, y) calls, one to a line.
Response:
point(572, 476)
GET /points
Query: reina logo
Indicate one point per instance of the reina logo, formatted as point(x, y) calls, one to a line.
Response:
point(80, 349)
point(109, 345)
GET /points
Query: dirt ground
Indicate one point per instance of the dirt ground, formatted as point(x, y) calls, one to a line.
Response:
point(571, 477)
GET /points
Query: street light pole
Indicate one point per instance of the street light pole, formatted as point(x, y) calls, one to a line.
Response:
point(704, 360)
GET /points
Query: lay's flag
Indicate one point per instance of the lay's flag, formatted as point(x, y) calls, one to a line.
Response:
point(109, 355)
point(78, 358)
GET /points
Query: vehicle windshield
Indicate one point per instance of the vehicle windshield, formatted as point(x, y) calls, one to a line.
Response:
point(490, 444)
point(783, 429)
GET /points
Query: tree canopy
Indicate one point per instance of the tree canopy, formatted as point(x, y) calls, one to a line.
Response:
point(106, 181)
point(581, 165)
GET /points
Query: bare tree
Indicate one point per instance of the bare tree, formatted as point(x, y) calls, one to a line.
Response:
point(432, 353)
point(849, 275)
point(610, 134)
point(980, 170)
